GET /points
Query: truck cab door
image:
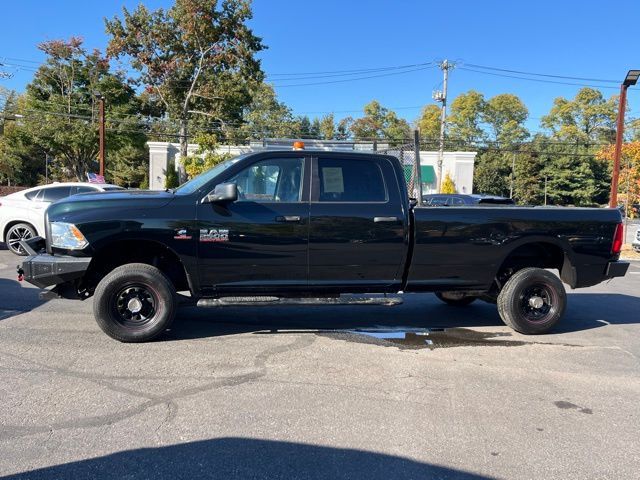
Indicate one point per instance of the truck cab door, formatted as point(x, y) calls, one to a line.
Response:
point(259, 243)
point(358, 232)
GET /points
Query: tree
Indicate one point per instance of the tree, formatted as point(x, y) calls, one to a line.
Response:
point(575, 175)
point(265, 116)
point(205, 157)
point(464, 119)
point(304, 127)
point(499, 167)
point(587, 118)
point(343, 130)
point(448, 185)
point(491, 173)
point(505, 115)
point(379, 122)
point(429, 123)
point(629, 180)
point(198, 57)
point(327, 127)
point(60, 119)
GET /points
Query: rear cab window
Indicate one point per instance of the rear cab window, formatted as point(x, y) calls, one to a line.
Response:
point(350, 180)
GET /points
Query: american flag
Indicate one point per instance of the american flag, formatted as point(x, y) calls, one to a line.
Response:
point(95, 178)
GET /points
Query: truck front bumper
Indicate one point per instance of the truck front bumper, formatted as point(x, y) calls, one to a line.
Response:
point(44, 270)
point(616, 269)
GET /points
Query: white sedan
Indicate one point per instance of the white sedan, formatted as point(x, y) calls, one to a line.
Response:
point(636, 241)
point(22, 213)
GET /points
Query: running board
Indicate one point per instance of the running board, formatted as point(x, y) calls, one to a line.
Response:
point(264, 301)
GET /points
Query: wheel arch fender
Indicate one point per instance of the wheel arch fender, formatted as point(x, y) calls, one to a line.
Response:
point(566, 266)
point(110, 255)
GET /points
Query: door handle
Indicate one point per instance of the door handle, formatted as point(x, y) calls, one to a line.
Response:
point(385, 219)
point(288, 218)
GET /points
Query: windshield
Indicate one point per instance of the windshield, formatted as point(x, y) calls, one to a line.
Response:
point(197, 182)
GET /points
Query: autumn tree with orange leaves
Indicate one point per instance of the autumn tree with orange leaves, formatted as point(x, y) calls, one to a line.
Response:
point(629, 183)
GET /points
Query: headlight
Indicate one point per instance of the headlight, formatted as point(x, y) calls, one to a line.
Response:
point(67, 235)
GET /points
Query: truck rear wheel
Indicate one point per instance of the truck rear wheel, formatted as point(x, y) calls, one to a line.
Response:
point(532, 301)
point(457, 299)
point(135, 302)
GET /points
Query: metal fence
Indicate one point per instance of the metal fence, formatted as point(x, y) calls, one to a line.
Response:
point(409, 156)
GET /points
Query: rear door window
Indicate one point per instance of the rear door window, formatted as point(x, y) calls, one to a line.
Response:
point(33, 195)
point(350, 180)
point(54, 194)
point(82, 189)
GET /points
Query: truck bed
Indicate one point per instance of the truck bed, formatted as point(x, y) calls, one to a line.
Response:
point(464, 247)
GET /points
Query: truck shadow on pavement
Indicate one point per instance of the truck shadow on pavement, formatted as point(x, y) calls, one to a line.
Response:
point(16, 299)
point(243, 458)
point(585, 311)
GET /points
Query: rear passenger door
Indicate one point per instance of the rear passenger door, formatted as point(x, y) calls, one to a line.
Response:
point(357, 232)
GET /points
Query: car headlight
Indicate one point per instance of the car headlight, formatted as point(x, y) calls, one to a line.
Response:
point(67, 235)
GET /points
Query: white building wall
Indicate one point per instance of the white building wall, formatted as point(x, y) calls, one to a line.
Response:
point(459, 165)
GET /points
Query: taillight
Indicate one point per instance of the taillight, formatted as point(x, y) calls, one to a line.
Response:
point(616, 246)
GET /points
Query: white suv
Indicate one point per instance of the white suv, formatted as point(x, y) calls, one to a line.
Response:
point(22, 213)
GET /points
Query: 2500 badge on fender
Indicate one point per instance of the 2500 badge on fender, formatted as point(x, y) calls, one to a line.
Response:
point(312, 224)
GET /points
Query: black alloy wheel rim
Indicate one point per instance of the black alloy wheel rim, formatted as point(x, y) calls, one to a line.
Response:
point(538, 303)
point(15, 235)
point(135, 306)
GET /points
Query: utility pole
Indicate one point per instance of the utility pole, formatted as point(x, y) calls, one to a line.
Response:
point(513, 173)
point(441, 96)
point(630, 79)
point(101, 130)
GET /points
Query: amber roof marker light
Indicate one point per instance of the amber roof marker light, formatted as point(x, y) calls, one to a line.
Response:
point(298, 145)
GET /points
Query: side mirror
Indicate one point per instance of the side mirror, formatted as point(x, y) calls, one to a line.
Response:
point(223, 193)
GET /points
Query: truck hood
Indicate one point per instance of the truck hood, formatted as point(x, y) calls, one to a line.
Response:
point(127, 199)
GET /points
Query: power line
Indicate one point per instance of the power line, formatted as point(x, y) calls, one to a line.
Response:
point(363, 70)
point(536, 79)
point(353, 79)
point(541, 74)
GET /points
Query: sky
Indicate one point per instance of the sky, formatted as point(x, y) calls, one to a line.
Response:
point(571, 38)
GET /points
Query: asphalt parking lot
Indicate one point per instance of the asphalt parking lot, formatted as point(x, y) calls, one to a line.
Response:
point(292, 392)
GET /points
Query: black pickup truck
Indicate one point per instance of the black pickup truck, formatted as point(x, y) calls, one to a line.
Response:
point(293, 225)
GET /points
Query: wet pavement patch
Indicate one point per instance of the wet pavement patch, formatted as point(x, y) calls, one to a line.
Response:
point(416, 338)
point(572, 406)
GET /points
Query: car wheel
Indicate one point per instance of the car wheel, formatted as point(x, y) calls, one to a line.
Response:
point(532, 301)
point(457, 299)
point(17, 232)
point(135, 303)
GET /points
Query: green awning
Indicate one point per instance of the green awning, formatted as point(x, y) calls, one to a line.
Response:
point(428, 174)
point(426, 171)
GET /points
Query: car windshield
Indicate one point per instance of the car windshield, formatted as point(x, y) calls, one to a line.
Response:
point(197, 182)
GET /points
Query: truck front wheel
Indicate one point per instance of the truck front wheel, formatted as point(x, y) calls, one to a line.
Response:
point(135, 302)
point(532, 301)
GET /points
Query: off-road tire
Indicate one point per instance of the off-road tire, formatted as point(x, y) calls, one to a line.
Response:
point(515, 298)
point(455, 300)
point(142, 286)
